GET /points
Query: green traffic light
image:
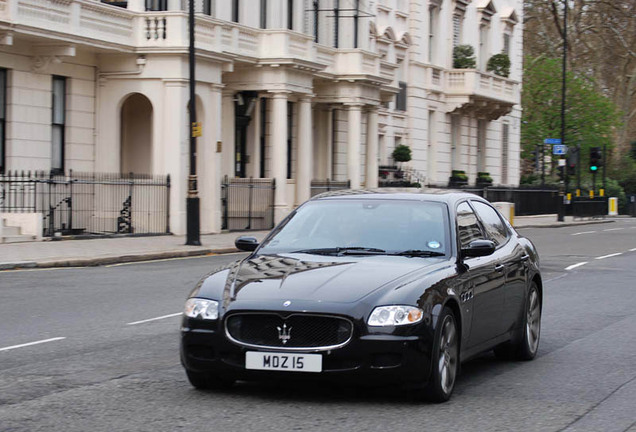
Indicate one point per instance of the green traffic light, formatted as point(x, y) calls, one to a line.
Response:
point(593, 168)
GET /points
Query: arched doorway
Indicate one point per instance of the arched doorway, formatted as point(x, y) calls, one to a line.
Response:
point(136, 135)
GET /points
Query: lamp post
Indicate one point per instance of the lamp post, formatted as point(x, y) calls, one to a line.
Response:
point(560, 216)
point(192, 200)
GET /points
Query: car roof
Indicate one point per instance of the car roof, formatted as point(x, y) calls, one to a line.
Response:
point(449, 196)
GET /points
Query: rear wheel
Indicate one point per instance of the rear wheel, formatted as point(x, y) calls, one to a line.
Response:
point(203, 381)
point(526, 344)
point(445, 359)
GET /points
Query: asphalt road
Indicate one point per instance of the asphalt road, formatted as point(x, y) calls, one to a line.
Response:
point(107, 357)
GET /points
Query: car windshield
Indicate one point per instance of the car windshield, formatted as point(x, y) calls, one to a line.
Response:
point(364, 227)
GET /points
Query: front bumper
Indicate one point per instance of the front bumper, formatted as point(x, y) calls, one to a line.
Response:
point(367, 359)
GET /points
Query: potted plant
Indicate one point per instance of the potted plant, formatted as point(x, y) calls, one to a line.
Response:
point(458, 178)
point(499, 64)
point(464, 57)
point(401, 153)
point(483, 179)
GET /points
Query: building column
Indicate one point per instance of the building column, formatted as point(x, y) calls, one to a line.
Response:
point(354, 136)
point(228, 129)
point(305, 151)
point(372, 149)
point(279, 154)
point(330, 143)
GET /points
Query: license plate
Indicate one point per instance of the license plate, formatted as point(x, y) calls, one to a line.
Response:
point(283, 361)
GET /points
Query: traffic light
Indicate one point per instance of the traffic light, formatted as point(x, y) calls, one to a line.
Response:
point(595, 159)
point(535, 160)
point(573, 157)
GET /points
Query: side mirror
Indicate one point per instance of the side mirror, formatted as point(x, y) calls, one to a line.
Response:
point(478, 248)
point(246, 243)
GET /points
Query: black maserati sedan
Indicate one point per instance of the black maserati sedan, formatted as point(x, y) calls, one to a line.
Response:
point(372, 288)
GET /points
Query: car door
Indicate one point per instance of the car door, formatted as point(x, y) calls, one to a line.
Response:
point(485, 280)
point(512, 256)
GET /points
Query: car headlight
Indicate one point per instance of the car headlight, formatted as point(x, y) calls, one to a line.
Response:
point(395, 316)
point(202, 308)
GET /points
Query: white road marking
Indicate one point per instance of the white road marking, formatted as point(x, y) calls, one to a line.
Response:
point(31, 343)
point(573, 266)
point(610, 255)
point(154, 319)
point(584, 232)
point(633, 250)
point(612, 229)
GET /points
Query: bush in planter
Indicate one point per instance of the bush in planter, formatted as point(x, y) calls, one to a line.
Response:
point(459, 175)
point(483, 178)
point(499, 64)
point(458, 178)
point(401, 153)
point(464, 57)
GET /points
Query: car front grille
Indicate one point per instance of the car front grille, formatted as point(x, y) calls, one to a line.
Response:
point(297, 331)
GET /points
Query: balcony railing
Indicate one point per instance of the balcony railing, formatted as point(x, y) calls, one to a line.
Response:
point(468, 82)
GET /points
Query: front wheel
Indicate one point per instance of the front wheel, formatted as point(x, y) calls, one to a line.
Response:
point(526, 344)
point(445, 359)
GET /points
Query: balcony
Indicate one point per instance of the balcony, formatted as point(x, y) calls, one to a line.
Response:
point(482, 94)
point(111, 28)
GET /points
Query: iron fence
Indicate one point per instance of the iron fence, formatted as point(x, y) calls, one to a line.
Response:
point(90, 203)
point(320, 186)
point(247, 203)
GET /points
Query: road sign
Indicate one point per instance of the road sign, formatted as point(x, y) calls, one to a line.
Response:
point(552, 141)
point(559, 149)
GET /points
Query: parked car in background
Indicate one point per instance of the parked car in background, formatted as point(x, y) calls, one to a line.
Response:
point(368, 287)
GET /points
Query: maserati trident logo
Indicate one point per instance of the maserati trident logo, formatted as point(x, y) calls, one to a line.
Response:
point(284, 333)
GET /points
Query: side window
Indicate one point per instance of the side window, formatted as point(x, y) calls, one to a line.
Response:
point(468, 225)
point(492, 222)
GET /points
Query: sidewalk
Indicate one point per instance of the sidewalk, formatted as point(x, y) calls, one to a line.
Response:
point(78, 253)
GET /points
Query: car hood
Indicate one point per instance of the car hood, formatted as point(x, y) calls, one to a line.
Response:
point(314, 278)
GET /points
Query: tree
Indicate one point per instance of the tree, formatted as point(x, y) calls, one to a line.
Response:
point(591, 117)
point(601, 46)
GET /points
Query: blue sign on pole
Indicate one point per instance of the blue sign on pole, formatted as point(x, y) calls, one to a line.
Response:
point(559, 149)
point(552, 141)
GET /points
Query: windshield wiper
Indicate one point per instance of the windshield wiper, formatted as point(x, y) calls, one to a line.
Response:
point(351, 250)
point(419, 253)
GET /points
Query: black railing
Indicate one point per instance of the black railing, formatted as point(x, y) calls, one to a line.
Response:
point(90, 203)
point(247, 203)
point(320, 186)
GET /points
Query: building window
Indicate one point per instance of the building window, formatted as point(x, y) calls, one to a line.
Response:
point(400, 98)
point(57, 124)
point(432, 29)
point(316, 20)
point(3, 116)
point(208, 7)
point(290, 14)
point(504, 153)
point(457, 29)
point(506, 44)
point(263, 14)
point(235, 11)
point(156, 5)
point(484, 34)
point(290, 117)
point(263, 131)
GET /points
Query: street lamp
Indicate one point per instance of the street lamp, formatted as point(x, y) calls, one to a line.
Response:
point(561, 214)
point(192, 200)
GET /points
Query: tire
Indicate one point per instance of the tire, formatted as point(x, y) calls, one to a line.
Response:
point(203, 381)
point(529, 344)
point(445, 358)
point(526, 344)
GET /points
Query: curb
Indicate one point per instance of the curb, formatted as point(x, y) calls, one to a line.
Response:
point(564, 224)
point(108, 260)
